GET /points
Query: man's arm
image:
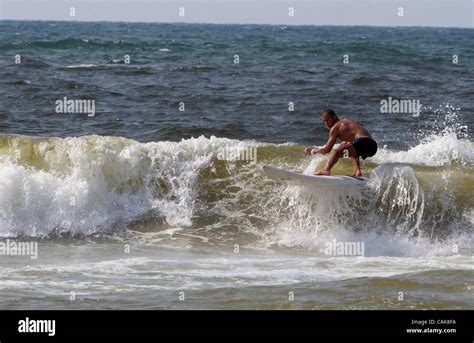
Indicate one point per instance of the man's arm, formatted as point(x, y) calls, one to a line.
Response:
point(328, 146)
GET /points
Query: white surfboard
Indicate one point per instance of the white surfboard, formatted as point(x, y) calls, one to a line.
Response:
point(282, 175)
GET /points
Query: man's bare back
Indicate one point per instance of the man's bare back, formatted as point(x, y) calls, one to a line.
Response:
point(347, 130)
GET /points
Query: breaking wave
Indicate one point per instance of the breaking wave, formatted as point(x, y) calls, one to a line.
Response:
point(96, 184)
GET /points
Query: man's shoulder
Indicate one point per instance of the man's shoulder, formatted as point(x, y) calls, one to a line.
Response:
point(342, 123)
point(346, 123)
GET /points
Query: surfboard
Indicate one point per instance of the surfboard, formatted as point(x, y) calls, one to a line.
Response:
point(282, 175)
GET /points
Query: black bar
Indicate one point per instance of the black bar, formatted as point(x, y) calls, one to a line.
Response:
point(69, 324)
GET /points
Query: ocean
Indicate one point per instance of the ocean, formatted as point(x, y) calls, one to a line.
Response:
point(147, 203)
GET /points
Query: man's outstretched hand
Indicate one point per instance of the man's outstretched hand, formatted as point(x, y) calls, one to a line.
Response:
point(308, 150)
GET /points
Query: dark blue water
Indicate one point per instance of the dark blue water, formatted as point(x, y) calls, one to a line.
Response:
point(194, 64)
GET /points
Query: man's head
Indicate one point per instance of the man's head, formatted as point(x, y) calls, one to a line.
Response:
point(329, 117)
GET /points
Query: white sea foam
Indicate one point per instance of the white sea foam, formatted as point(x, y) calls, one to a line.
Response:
point(77, 66)
point(87, 184)
point(439, 150)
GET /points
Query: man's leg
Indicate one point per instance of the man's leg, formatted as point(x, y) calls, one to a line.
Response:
point(335, 155)
point(356, 165)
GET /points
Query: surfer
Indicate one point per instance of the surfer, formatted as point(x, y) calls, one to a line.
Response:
point(356, 142)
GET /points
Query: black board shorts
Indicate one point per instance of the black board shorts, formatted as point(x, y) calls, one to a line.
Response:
point(365, 147)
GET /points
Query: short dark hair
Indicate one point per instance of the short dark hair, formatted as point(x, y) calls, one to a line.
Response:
point(330, 112)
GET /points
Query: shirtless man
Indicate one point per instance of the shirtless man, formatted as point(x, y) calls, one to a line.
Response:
point(356, 141)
